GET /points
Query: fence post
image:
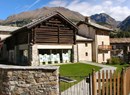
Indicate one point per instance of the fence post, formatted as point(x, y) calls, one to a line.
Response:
point(123, 82)
point(94, 89)
point(59, 86)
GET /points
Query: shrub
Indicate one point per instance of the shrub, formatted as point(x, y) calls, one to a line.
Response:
point(114, 60)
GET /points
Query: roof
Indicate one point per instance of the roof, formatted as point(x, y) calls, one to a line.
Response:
point(95, 25)
point(119, 40)
point(100, 26)
point(8, 28)
point(39, 20)
point(81, 38)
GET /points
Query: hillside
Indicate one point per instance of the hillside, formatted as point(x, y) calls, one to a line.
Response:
point(104, 20)
point(26, 17)
point(125, 24)
point(1, 21)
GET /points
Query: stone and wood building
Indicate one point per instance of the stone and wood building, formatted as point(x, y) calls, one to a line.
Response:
point(100, 46)
point(120, 48)
point(55, 39)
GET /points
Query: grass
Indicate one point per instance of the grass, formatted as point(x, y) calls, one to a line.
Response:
point(119, 66)
point(77, 71)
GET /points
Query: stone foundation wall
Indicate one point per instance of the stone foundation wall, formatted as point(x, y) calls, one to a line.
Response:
point(29, 80)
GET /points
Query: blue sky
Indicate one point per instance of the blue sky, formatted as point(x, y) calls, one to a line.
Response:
point(118, 9)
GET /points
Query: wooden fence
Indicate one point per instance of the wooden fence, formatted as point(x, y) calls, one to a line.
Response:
point(79, 86)
point(127, 81)
point(111, 82)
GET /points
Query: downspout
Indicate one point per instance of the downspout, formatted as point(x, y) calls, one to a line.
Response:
point(96, 46)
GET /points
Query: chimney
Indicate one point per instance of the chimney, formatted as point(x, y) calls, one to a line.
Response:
point(87, 19)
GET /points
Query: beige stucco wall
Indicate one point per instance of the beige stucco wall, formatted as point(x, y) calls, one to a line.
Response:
point(106, 40)
point(82, 50)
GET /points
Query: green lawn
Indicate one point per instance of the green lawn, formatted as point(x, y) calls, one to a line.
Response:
point(119, 67)
point(77, 71)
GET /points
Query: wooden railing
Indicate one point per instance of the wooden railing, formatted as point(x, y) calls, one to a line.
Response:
point(105, 47)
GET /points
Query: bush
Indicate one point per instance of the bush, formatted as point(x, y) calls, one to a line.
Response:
point(114, 60)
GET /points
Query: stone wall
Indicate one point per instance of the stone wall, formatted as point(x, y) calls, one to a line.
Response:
point(16, 80)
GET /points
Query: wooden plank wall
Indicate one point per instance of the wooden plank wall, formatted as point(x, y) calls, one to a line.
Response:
point(10, 43)
point(17, 39)
point(54, 30)
point(22, 37)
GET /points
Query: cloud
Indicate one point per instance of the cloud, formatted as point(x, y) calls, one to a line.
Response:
point(61, 3)
point(86, 8)
point(116, 0)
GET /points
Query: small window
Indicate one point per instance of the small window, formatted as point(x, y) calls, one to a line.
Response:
point(86, 54)
point(102, 43)
point(86, 44)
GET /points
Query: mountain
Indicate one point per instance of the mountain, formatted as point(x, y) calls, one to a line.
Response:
point(26, 17)
point(125, 24)
point(1, 21)
point(104, 20)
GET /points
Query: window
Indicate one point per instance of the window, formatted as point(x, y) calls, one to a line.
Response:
point(113, 47)
point(86, 53)
point(86, 44)
point(102, 43)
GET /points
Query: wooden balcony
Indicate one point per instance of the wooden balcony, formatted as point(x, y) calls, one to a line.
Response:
point(105, 47)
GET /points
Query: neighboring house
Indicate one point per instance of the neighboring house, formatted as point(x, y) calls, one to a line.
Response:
point(120, 48)
point(55, 39)
point(101, 42)
point(5, 33)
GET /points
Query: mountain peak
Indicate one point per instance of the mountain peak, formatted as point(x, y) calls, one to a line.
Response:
point(104, 19)
point(125, 24)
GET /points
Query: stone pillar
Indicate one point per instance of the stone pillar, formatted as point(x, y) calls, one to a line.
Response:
point(75, 54)
point(35, 58)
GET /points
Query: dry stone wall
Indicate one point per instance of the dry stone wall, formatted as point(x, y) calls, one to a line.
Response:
point(29, 80)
